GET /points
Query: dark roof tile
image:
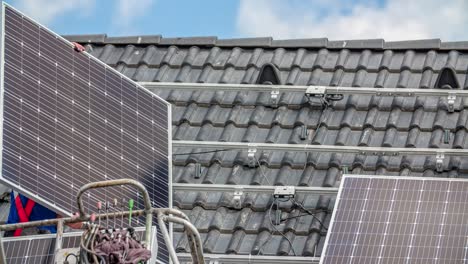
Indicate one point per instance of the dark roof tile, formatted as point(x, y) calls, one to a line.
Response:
point(455, 45)
point(245, 42)
point(377, 44)
point(95, 39)
point(301, 43)
point(414, 44)
point(134, 40)
point(189, 41)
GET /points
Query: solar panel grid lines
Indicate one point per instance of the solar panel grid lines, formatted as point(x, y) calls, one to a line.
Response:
point(398, 220)
point(69, 119)
point(88, 137)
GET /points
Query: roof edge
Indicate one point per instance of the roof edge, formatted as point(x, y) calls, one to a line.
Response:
point(268, 42)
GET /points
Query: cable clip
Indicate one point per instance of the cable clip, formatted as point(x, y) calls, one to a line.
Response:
point(440, 161)
point(451, 102)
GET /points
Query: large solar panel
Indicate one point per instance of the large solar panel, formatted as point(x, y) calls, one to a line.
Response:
point(398, 220)
point(68, 119)
point(39, 249)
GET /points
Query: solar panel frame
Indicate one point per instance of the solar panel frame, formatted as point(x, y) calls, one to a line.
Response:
point(30, 194)
point(353, 176)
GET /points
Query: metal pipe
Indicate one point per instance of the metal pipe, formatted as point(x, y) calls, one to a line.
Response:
point(138, 185)
point(58, 240)
point(303, 89)
point(251, 259)
point(191, 187)
point(373, 151)
point(167, 239)
point(69, 220)
point(2, 251)
point(192, 230)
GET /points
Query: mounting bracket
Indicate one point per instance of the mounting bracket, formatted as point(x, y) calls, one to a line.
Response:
point(251, 156)
point(440, 161)
point(451, 102)
point(316, 91)
point(284, 192)
point(237, 198)
point(274, 97)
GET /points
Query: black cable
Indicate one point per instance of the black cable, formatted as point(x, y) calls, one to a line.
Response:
point(334, 97)
point(201, 152)
point(312, 214)
point(276, 229)
point(322, 119)
point(301, 215)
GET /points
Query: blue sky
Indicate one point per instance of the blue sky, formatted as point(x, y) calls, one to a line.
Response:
point(335, 19)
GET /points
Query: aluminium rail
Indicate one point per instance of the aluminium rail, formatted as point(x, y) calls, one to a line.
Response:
point(257, 189)
point(311, 89)
point(372, 151)
point(252, 259)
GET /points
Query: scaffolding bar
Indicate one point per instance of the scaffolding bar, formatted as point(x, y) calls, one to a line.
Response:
point(315, 89)
point(370, 151)
point(253, 259)
point(188, 187)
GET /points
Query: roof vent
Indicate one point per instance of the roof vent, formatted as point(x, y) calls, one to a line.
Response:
point(269, 74)
point(447, 79)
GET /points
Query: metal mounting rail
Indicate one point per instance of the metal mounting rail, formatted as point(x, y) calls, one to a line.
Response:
point(371, 151)
point(236, 259)
point(250, 188)
point(313, 89)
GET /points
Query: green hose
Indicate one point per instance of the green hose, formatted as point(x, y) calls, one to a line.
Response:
point(130, 207)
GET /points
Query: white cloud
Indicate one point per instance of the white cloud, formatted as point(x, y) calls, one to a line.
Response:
point(45, 11)
point(342, 19)
point(129, 10)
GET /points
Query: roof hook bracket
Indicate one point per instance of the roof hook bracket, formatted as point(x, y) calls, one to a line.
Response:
point(451, 102)
point(440, 161)
point(237, 198)
point(274, 97)
point(251, 156)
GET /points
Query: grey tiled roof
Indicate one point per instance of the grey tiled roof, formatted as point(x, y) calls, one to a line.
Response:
point(417, 122)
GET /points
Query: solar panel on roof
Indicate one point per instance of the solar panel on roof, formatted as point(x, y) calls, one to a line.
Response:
point(69, 119)
point(398, 220)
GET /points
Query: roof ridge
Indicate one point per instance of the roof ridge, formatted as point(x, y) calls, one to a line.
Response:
point(269, 42)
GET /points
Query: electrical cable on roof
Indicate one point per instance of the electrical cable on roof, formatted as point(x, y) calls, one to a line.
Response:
point(276, 229)
point(322, 119)
point(298, 216)
point(262, 172)
point(311, 213)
